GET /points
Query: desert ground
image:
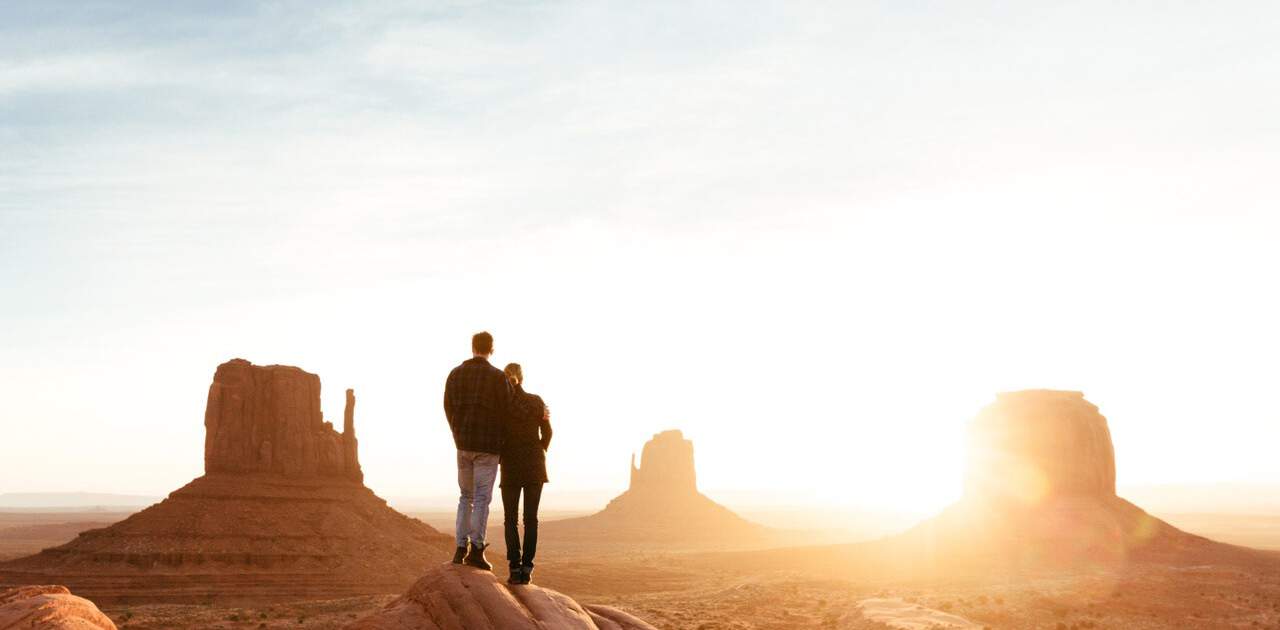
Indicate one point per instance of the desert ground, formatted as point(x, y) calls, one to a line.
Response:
point(718, 589)
point(1047, 545)
point(25, 532)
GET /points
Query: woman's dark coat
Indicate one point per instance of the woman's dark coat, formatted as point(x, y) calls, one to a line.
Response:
point(524, 460)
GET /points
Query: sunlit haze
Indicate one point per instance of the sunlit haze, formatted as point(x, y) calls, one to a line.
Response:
point(817, 242)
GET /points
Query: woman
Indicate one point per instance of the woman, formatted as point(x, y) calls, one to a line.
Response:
point(524, 470)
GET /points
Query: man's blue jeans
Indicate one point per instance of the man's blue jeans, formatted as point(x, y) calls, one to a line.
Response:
point(476, 473)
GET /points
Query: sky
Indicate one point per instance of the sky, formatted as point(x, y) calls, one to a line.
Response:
point(816, 237)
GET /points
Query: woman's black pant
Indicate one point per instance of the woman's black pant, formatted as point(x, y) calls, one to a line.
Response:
point(510, 500)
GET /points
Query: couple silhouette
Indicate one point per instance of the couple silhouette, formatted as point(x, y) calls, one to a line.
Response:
point(497, 427)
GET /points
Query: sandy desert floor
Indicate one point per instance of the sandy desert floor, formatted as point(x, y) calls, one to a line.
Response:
point(1257, 531)
point(723, 591)
point(1139, 599)
point(23, 533)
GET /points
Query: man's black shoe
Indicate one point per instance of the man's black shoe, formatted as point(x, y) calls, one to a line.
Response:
point(517, 576)
point(475, 557)
point(526, 574)
point(459, 554)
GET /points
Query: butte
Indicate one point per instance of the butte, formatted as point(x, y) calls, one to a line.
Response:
point(1039, 494)
point(280, 513)
point(662, 505)
point(1040, 491)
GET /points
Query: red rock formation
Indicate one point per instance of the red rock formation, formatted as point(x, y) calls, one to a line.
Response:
point(1033, 444)
point(663, 504)
point(668, 466)
point(1040, 494)
point(351, 455)
point(49, 608)
point(452, 597)
point(267, 419)
point(280, 513)
point(1040, 488)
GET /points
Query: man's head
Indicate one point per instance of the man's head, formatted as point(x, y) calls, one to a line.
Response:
point(482, 344)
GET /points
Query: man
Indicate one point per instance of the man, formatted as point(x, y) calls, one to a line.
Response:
point(477, 397)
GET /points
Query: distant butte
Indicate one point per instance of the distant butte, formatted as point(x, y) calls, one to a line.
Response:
point(1040, 493)
point(663, 504)
point(1040, 489)
point(280, 513)
point(668, 467)
point(1039, 443)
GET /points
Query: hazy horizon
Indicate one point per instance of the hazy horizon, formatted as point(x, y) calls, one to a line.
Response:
point(1239, 499)
point(816, 241)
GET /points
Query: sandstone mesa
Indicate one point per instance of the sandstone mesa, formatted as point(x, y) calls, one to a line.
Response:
point(663, 504)
point(1040, 490)
point(281, 513)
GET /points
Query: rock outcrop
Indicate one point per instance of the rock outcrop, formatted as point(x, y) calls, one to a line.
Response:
point(49, 608)
point(451, 597)
point(668, 466)
point(267, 419)
point(663, 504)
point(1039, 495)
point(1040, 489)
point(281, 513)
point(1037, 444)
point(351, 451)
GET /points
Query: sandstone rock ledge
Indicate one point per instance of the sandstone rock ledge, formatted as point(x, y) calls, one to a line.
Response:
point(451, 597)
point(49, 608)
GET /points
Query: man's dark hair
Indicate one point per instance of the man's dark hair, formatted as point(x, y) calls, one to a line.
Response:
point(482, 343)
